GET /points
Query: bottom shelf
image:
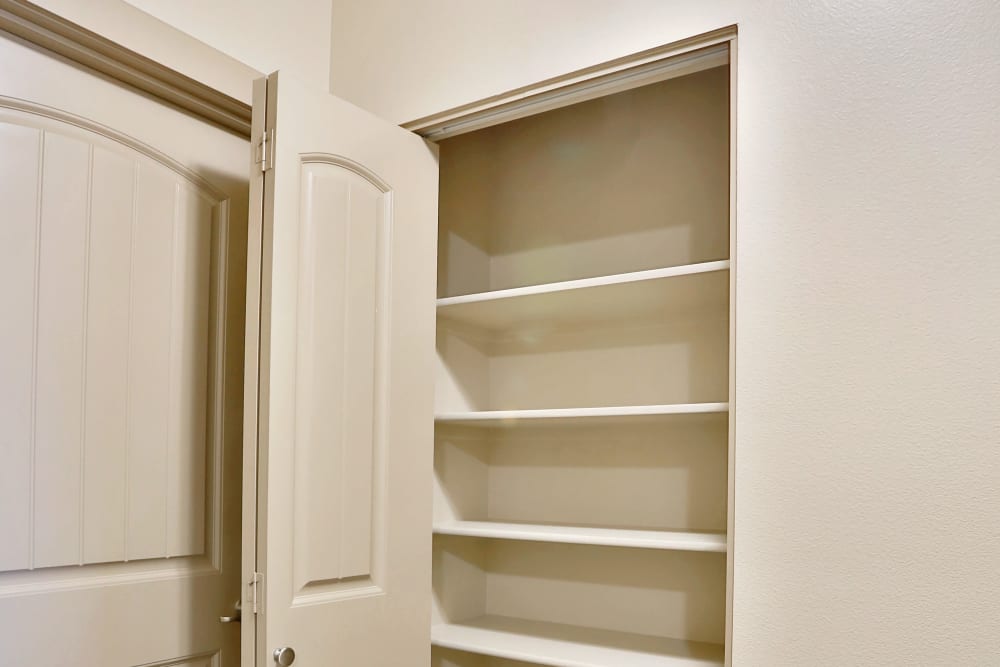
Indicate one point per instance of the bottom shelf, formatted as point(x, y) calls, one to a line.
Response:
point(571, 646)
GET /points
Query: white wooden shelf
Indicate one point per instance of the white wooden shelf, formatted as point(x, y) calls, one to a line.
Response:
point(560, 645)
point(620, 297)
point(511, 418)
point(609, 537)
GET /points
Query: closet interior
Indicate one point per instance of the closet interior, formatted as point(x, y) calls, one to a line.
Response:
point(582, 439)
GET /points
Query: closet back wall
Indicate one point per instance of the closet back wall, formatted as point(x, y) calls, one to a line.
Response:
point(867, 398)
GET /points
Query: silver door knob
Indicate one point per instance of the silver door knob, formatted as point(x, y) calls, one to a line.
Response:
point(235, 618)
point(284, 656)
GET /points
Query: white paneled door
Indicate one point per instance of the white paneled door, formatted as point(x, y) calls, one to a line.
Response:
point(339, 404)
point(122, 237)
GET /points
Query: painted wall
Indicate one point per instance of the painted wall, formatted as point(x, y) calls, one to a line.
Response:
point(868, 361)
point(223, 43)
point(122, 23)
point(292, 35)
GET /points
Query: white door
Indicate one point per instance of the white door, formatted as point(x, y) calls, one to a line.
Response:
point(342, 255)
point(121, 262)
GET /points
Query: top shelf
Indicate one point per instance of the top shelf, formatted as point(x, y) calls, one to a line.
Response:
point(635, 295)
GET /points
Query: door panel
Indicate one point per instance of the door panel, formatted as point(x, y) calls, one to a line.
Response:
point(342, 277)
point(108, 297)
point(137, 404)
point(348, 224)
point(18, 191)
point(119, 427)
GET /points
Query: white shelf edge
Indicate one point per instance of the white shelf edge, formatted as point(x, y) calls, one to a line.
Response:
point(516, 639)
point(576, 413)
point(582, 283)
point(609, 537)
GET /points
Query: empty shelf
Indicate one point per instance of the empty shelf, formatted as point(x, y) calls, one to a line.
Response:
point(636, 295)
point(572, 646)
point(510, 418)
point(611, 537)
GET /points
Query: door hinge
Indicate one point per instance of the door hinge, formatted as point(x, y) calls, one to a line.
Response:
point(264, 150)
point(255, 592)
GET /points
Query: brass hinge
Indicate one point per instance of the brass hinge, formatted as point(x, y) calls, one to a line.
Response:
point(256, 592)
point(264, 151)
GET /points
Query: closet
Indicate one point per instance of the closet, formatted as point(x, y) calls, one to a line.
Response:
point(518, 454)
point(583, 384)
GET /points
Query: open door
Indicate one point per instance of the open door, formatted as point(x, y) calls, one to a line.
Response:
point(339, 399)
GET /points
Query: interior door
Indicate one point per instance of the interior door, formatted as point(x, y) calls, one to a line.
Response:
point(122, 246)
point(339, 384)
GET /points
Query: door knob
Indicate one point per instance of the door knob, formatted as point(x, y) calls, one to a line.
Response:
point(235, 618)
point(284, 656)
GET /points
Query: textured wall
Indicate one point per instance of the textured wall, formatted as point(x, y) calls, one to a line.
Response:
point(291, 35)
point(120, 22)
point(225, 44)
point(868, 365)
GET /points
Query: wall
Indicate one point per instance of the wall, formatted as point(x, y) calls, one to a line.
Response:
point(122, 23)
point(291, 35)
point(223, 43)
point(868, 367)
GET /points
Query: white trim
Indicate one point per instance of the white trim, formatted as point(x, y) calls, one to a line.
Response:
point(733, 286)
point(672, 60)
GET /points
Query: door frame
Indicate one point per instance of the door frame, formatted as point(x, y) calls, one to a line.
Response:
point(672, 60)
point(252, 579)
point(675, 59)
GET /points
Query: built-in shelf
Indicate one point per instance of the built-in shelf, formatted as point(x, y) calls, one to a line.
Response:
point(511, 418)
point(621, 297)
point(560, 645)
point(582, 441)
point(609, 537)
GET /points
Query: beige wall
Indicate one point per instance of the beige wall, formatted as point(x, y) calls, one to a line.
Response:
point(290, 35)
point(223, 43)
point(868, 367)
point(122, 23)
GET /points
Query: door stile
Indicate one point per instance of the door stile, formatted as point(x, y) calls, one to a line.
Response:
point(251, 635)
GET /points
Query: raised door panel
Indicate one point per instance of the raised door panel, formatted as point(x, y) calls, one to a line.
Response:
point(105, 428)
point(58, 367)
point(110, 261)
point(18, 243)
point(341, 283)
